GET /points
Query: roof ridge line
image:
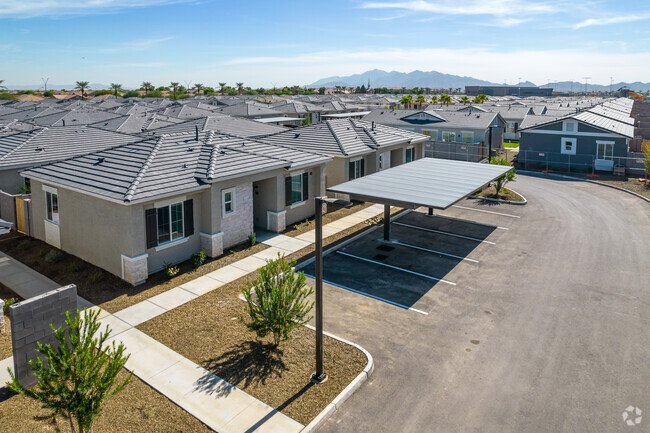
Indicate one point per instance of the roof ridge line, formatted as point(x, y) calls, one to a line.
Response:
point(336, 137)
point(138, 178)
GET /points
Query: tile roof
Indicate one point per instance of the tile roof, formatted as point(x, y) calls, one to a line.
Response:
point(225, 125)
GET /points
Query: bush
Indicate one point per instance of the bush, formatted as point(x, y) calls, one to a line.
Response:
point(8, 303)
point(171, 270)
point(53, 256)
point(199, 258)
point(7, 96)
point(96, 277)
point(252, 239)
point(24, 245)
point(501, 181)
point(48, 94)
point(277, 300)
point(79, 375)
point(77, 267)
point(131, 94)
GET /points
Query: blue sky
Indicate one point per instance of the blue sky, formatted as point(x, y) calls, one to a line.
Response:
point(263, 43)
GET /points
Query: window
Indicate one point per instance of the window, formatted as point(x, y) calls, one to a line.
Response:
point(52, 206)
point(433, 133)
point(448, 136)
point(228, 201)
point(410, 154)
point(468, 137)
point(381, 161)
point(568, 146)
point(511, 126)
point(356, 169)
point(569, 126)
point(296, 188)
point(605, 150)
point(170, 222)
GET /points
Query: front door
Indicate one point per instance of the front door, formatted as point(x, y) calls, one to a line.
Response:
point(604, 156)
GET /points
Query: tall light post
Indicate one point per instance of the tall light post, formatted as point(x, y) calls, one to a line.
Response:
point(320, 376)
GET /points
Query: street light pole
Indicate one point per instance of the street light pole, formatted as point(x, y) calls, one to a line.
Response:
point(320, 376)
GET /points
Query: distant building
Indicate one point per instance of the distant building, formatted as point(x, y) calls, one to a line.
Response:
point(508, 91)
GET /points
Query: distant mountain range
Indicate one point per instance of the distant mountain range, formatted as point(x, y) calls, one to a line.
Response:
point(91, 86)
point(438, 80)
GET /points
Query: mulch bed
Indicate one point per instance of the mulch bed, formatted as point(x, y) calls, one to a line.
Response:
point(208, 331)
point(333, 213)
point(631, 184)
point(139, 408)
point(106, 290)
point(504, 194)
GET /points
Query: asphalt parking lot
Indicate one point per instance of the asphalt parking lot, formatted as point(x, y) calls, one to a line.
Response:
point(545, 332)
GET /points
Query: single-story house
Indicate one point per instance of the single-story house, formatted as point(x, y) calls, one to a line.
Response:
point(131, 209)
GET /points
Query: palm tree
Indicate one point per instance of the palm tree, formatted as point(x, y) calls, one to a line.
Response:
point(198, 87)
point(174, 85)
point(446, 99)
point(479, 99)
point(223, 87)
point(464, 99)
point(2, 86)
point(82, 85)
point(407, 101)
point(240, 87)
point(146, 86)
point(116, 88)
point(421, 100)
point(434, 99)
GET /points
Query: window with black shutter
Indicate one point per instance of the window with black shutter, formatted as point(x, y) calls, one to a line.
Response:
point(188, 209)
point(305, 186)
point(287, 191)
point(151, 227)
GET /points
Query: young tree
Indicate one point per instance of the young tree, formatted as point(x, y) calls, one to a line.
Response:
point(479, 99)
point(434, 99)
point(146, 86)
point(240, 87)
point(501, 181)
point(421, 100)
point(277, 300)
point(407, 101)
point(3, 87)
point(321, 90)
point(464, 99)
point(223, 87)
point(198, 87)
point(174, 85)
point(79, 375)
point(445, 99)
point(116, 88)
point(82, 85)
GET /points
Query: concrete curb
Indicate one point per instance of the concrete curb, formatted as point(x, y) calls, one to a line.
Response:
point(347, 392)
point(561, 176)
point(496, 200)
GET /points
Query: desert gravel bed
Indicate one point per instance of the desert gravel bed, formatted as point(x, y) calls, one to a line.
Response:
point(504, 194)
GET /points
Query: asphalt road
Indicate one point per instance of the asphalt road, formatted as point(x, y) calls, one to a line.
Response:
point(550, 332)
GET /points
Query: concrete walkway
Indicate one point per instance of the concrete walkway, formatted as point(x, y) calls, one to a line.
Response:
point(209, 398)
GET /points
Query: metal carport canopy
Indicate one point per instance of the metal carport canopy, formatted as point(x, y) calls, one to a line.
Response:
point(431, 182)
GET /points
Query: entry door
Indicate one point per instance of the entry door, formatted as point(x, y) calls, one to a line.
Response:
point(604, 156)
point(384, 160)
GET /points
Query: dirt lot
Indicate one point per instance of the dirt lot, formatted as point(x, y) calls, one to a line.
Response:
point(631, 184)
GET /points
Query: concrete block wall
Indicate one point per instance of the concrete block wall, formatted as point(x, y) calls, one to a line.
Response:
point(30, 323)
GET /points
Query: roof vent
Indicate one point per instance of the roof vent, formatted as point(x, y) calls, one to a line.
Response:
point(99, 161)
point(296, 135)
point(40, 149)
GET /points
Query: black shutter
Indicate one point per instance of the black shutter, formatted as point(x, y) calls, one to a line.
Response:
point(363, 167)
point(351, 170)
point(188, 221)
point(305, 186)
point(151, 227)
point(287, 191)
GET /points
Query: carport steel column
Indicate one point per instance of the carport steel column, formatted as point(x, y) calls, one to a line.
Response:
point(387, 222)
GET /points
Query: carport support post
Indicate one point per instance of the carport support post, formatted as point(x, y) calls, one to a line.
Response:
point(387, 222)
point(320, 376)
point(430, 211)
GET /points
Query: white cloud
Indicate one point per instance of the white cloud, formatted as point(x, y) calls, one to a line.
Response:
point(473, 7)
point(137, 45)
point(37, 8)
point(611, 20)
point(487, 64)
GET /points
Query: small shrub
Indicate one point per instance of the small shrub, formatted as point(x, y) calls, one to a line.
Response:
point(42, 252)
point(53, 256)
point(277, 300)
point(8, 303)
point(23, 245)
point(232, 252)
point(77, 267)
point(252, 238)
point(96, 277)
point(199, 258)
point(171, 270)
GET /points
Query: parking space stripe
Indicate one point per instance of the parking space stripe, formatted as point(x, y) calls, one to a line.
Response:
point(372, 296)
point(444, 233)
point(487, 211)
point(470, 222)
point(435, 252)
point(395, 267)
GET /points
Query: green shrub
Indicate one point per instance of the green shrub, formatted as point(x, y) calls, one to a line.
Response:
point(171, 270)
point(199, 258)
point(96, 277)
point(501, 181)
point(8, 96)
point(8, 303)
point(53, 256)
point(77, 267)
point(48, 94)
point(24, 245)
point(79, 375)
point(131, 94)
point(252, 239)
point(277, 300)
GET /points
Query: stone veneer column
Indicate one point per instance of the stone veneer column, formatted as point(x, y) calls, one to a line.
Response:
point(276, 221)
point(212, 244)
point(135, 269)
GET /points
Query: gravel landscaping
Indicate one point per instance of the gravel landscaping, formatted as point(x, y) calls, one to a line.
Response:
point(631, 184)
point(504, 194)
point(139, 408)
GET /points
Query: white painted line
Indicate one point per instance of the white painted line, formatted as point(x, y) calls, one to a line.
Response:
point(488, 211)
point(445, 233)
point(395, 267)
point(372, 296)
point(469, 222)
point(435, 252)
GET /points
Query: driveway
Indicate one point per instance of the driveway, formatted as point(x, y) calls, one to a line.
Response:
point(547, 333)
